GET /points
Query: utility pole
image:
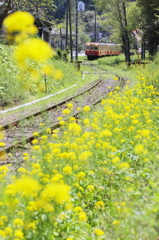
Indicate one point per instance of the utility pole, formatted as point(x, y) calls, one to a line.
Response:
point(70, 24)
point(95, 27)
point(60, 38)
point(143, 50)
point(76, 30)
point(67, 26)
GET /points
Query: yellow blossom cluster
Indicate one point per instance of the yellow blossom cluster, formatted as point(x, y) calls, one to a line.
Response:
point(31, 53)
point(91, 179)
point(19, 25)
point(2, 144)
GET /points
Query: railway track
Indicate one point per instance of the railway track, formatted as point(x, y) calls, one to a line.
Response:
point(20, 132)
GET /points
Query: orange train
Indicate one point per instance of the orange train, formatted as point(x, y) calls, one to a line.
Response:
point(96, 50)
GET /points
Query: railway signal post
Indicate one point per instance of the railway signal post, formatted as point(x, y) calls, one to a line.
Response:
point(70, 25)
point(80, 7)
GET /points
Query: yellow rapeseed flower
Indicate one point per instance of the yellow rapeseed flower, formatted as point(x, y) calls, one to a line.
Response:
point(70, 105)
point(35, 134)
point(8, 231)
point(78, 209)
point(2, 234)
point(59, 119)
point(117, 88)
point(43, 137)
point(85, 155)
point(86, 109)
point(3, 170)
point(3, 220)
point(35, 141)
point(36, 147)
point(145, 132)
point(90, 188)
point(58, 75)
point(105, 133)
point(115, 159)
point(124, 165)
point(2, 144)
point(99, 204)
point(31, 226)
point(19, 234)
point(47, 70)
point(67, 170)
point(116, 222)
point(75, 167)
point(139, 149)
point(1, 134)
point(86, 122)
point(82, 217)
point(19, 25)
point(56, 178)
point(48, 130)
point(66, 111)
point(91, 173)
point(26, 185)
point(18, 21)
point(81, 175)
point(98, 232)
point(74, 128)
point(17, 222)
point(33, 49)
point(58, 192)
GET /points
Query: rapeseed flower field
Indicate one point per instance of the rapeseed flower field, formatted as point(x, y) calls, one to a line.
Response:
point(96, 179)
point(91, 180)
point(31, 54)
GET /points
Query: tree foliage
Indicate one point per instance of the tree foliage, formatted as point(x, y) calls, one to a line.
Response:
point(116, 9)
point(150, 23)
point(40, 8)
point(5, 7)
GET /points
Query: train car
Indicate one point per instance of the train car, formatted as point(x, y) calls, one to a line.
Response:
point(96, 50)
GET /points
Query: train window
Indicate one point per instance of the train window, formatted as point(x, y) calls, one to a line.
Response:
point(95, 48)
point(88, 47)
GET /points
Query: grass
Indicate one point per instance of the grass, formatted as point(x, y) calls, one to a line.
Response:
point(95, 179)
point(68, 81)
point(113, 63)
point(83, 80)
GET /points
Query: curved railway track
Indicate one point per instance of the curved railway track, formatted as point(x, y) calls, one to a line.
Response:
point(20, 132)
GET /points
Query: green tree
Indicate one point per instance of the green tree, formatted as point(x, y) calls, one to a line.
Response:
point(116, 10)
point(41, 8)
point(150, 23)
point(5, 7)
point(134, 17)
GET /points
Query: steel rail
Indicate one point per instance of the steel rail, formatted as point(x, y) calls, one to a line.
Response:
point(52, 127)
point(37, 113)
point(56, 125)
